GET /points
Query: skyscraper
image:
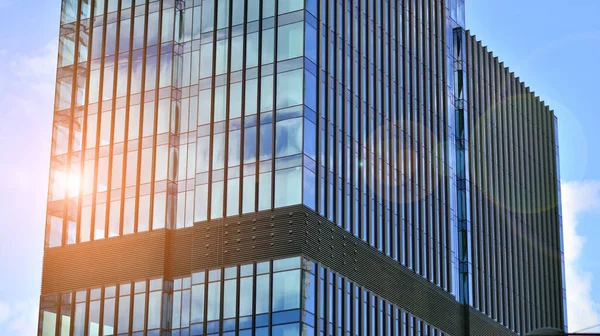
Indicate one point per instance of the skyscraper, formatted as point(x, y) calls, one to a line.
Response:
point(296, 167)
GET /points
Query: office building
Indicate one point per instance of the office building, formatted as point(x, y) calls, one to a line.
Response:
point(296, 167)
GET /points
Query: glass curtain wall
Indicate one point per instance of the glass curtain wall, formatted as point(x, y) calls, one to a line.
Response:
point(376, 128)
point(170, 113)
point(282, 297)
point(112, 166)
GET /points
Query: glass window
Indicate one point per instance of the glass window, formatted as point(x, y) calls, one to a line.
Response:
point(206, 53)
point(290, 41)
point(207, 15)
point(288, 187)
point(218, 151)
point(94, 318)
point(154, 306)
point(153, 29)
point(262, 294)
point(201, 203)
point(197, 303)
point(217, 200)
point(249, 194)
point(266, 98)
point(251, 97)
point(250, 145)
point(233, 196)
point(235, 101)
point(110, 39)
point(229, 299)
point(253, 8)
point(214, 301)
point(109, 316)
point(310, 91)
point(287, 330)
point(222, 57)
point(64, 93)
point(222, 14)
point(286, 6)
point(234, 148)
point(66, 51)
point(123, 314)
point(138, 32)
point(266, 141)
point(220, 103)
point(54, 235)
point(289, 93)
point(69, 11)
point(268, 8)
point(268, 47)
point(288, 139)
point(246, 292)
point(264, 191)
point(237, 49)
point(252, 50)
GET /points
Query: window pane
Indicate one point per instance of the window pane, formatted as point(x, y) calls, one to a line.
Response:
point(253, 8)
point(250, 145)
point(252, 50)
point(222, 57)
point(234, 148)
point(290, 41)
point(288, 187)
point(66, 51)
point(207, 15)
point(206, 60)
point(287, 330)
point(123, 314)
point(246, 296)
point(268, 45)
point(237, 48)
point(198, 303)
point(288, 137)
point(229, 299)
point(233, 196)
point(264, 194)
point(214, 301)
point(286, 6)
point(139, 308)
point(286, 290)
point(251, 97)
point(262, 294)
point(266, 141)
point(289, 93)
point(217, 200)
point(235, 101)
point(94, 318)
point(109, 316)
point(249, 194)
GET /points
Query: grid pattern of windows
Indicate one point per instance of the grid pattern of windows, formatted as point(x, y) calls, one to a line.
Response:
point(516, 235)
point(173, 113)
point(112, 165)
point(283, 297)
point(121, 309)
point(376, 158)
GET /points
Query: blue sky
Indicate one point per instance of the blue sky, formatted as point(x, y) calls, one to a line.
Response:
point(553, 46)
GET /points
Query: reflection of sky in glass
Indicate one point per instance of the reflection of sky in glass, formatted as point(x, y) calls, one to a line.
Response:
point(535, 49)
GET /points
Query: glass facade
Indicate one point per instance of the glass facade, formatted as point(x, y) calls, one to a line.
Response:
point(282, 297)
point(384, 117)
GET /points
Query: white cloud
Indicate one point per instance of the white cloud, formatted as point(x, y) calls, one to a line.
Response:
point(19, 318)
point(579, 198)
